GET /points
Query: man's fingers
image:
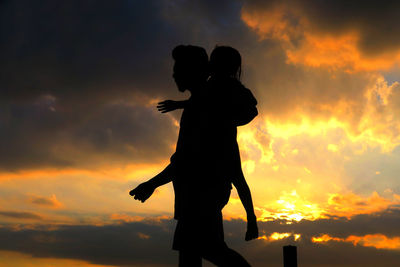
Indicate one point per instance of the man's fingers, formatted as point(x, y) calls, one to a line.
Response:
point(164, 102)
point(140, 198)
point(164, 109)
point(132, 192)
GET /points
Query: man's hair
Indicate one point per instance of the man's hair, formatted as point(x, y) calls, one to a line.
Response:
point(194, 57)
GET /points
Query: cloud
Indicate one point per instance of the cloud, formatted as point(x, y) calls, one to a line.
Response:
point(350, 204)
point(333, 34)
point(121, 244)
point(377, 241)
point(366, 239)
point(79, 64)
point(50, 202)
point(304, 68)
point(84, 50)
point(34, 136)
point(20, 215)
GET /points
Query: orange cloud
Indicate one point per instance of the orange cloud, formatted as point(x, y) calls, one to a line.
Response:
point(126, 218)
point(350, 204)
point(306, 46)
point(377, 241)
point(125, 172)
point(41, 173)
point(272, 23)
point(338, 52)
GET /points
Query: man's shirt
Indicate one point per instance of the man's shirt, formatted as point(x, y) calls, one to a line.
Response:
point(207, 153)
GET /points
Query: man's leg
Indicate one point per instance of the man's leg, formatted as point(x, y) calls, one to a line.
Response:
point(189, 259)
point(213, 246)
point(225, 257)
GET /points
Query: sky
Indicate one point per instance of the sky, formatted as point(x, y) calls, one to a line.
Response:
point(79, 128)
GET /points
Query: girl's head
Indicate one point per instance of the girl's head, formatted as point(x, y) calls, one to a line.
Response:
point(226, 61)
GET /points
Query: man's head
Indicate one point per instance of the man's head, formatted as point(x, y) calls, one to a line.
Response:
point(191, 66)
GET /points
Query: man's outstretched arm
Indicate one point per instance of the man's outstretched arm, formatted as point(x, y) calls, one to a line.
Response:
point(171, 105)
point(143, 191)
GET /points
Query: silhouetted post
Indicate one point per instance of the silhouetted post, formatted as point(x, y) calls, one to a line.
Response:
point(289, 256)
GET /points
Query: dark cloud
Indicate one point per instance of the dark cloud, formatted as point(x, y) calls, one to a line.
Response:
point(20, 215)
point(209, 23)
point(78, 77)
point(121, 245)
point(67, 66)
point(149, 242)
point(78, 50)
point(34, 135)
point(44, 201)
point(383, 223)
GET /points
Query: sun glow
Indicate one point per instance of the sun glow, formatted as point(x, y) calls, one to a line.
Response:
point(378, 241)
point(279, 236)
point(291, 207)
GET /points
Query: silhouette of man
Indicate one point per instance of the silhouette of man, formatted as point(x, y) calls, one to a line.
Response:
point(200, 190)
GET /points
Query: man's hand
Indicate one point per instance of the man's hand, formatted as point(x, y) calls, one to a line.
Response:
point(142, 192)
point(168, 105)
point(252, 229)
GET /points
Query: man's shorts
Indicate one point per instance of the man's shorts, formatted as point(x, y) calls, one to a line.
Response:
point(200, 233)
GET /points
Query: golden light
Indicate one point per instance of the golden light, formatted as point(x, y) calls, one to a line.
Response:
point(272, 148)
point(378, 241)
point(291, 207)
point(279, 236)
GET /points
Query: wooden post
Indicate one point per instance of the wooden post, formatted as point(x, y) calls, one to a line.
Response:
point(289, 256)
